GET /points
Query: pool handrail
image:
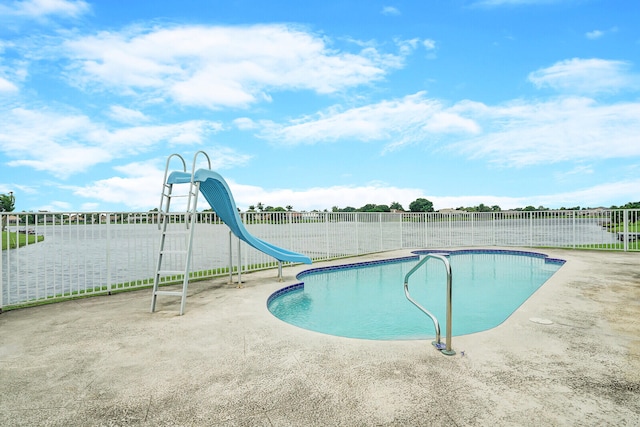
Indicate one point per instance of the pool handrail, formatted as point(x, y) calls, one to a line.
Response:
point(437, 344)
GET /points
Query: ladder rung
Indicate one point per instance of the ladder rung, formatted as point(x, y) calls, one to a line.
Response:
point(172, 293)
point(170, 272)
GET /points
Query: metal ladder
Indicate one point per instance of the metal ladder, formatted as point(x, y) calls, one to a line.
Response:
point(168, 234)
point(444, 349)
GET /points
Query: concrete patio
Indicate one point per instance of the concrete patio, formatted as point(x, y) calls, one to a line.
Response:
point(108, 361)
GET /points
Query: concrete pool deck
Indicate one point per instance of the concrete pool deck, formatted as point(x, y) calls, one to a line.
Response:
point(229, 362)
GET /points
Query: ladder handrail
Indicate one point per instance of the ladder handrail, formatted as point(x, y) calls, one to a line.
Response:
point(447, 350)
point(195, 156)
point(164, 184)
point(192, 184)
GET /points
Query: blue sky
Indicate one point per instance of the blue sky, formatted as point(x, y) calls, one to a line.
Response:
point(322, 103)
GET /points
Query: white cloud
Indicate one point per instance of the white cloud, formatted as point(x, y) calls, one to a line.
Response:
point(595, 34)
point(226, 157)
point(134, 182)
point(605, 194)
point(398, 122)
point(587, 76)
point(406, 47)
point(565, 129)
point(245, 123)
point(390, 10)
point(514, 134)
point(577, 171)
point(429, 44)
point(64, 144)
point(7, 86)
point(42, 8)
point(134, 189)
point(89, 207)
point(56, 206)
point(217, 67)
point(126, 115)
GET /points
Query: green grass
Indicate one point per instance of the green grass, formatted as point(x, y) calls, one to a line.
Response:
point(633, 228)
point(11, 240)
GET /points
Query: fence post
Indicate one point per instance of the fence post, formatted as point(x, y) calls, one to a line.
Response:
point(1, 263)
point(530, 228)
point(473, 215)
point(423, 216)
point(573, 225)
point(382, 248)
point(493, 228)
point(357, 233)
point(326, 233)
point(625, 229)
point(401, 236)
point(108, 218)
point(230, 258)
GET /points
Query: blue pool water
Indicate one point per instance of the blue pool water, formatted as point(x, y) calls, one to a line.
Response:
point(367, 300)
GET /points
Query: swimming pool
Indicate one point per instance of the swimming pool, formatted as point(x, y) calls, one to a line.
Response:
point(366, 300)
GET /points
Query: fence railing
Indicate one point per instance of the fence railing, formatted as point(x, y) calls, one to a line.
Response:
point(49, 256)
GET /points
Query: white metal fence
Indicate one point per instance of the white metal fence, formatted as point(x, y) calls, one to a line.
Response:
point(50, 256)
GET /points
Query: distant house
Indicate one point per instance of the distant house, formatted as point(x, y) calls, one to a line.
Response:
point(310, 215)
point(451, 211)
point(104, 216)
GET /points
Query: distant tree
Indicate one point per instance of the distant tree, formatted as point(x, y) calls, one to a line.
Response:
point(482, 208)
point(495, 208)
point(260, 207)
point(289, 208)
point(529, 208)
point(7, 204)
point(369, 207)
point(421, 205)
point(397, 206)
point(252, 208)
